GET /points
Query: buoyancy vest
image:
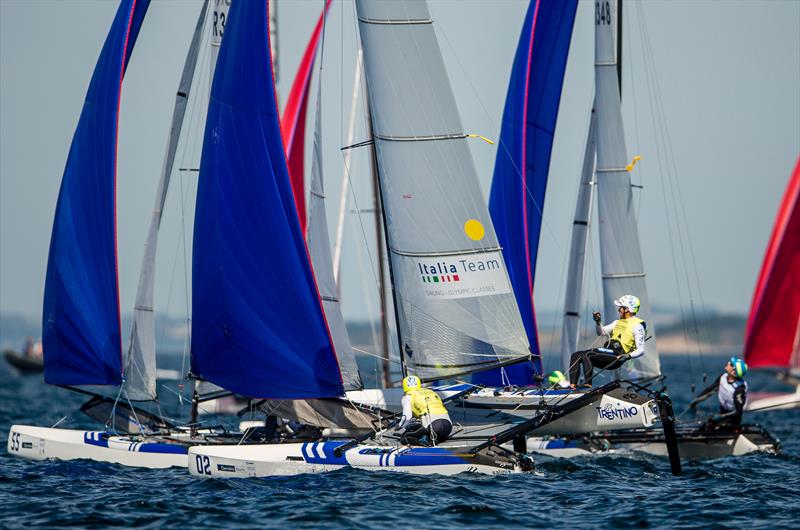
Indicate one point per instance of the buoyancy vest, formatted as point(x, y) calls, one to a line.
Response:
point(623, 332)
point(727, 390)
point(425, 401)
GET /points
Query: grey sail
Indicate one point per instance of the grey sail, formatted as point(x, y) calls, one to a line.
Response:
point(455, 309)
point(319, 248)
point(620, 253)
point(140, 368)
point(578, 248)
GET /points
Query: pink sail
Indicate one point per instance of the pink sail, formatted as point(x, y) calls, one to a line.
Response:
point(771, 337)
point(293, 122)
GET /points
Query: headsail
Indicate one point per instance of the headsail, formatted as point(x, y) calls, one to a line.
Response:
point(456, 311)
point(620, 253)
point(516, 201)
point(319, 248)
point(141, 363)
point(258, 324)
point(293, 123)
point(772, 337)
point(80, 321)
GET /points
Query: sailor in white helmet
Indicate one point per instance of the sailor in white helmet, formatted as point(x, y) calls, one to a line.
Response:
point(626, 341)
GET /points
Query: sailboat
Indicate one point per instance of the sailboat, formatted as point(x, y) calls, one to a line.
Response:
point(267, 330)
point(605, 172)
point(772, 337)
point(82, 342)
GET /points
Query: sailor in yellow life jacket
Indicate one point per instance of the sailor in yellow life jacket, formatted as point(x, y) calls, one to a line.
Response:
point(626, 341)
point(425, 420)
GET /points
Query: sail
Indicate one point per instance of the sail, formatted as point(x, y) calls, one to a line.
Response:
point(577, 251)
point(455, 308)
point(258, 327)
point(773, 327)
point(293, 123)
point(516, 201)
point(620, 253)
point(80, 319)
point(319, 248)
point(141, 363)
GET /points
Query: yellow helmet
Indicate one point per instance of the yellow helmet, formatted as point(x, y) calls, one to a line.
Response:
point(411, 382)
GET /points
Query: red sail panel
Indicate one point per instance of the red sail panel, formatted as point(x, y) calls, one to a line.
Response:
point(293, 122)
point(774, 314)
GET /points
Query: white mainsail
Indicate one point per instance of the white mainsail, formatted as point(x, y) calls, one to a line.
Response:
point(620, 253)
point(455, 308)
point(140, 368)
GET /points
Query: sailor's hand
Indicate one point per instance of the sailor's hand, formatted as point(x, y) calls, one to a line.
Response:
point(625, 357)
point(596, 316)
point(693, 404)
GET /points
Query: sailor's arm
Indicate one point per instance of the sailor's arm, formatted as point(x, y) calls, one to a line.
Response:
point(638, 337)
point(739, 398)
point(709, 391)
point(407, 414)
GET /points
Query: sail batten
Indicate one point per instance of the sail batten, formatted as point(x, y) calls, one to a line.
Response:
point(258, 324)
point(452, 294)
point(81, 315)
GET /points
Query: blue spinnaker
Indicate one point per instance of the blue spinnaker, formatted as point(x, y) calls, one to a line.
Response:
point(80, 318)
point(523, 159)
point(258, 328)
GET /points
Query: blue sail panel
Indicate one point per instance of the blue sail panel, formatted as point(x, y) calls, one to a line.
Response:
point(257, 323)
point(516, 201)
point(80, 318)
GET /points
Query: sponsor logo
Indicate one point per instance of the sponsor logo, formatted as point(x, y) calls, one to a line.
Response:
point(609, 412)
point(463, 276)
point(226, 467)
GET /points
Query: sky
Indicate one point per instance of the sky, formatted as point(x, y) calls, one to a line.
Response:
point(711, 102)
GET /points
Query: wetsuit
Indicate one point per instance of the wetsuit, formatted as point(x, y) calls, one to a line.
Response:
point(732, 397)
point(425, 419)
point(625, 344)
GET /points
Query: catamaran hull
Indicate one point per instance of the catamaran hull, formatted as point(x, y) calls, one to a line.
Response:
point(43, 443)
point(693, 443)
point(618, 409)
point(320, 457)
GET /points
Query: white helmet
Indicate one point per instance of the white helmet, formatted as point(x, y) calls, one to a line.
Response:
point(628, 301)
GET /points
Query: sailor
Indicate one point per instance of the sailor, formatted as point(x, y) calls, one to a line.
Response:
point(425, 420)
point(556, 379)
point(731, 389)
point(626, 341)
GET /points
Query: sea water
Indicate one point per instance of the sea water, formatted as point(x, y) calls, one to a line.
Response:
point(755, 491)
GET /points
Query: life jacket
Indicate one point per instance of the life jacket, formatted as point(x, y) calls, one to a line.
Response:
point(425, 401)
point(727, 390)
point(623, 332)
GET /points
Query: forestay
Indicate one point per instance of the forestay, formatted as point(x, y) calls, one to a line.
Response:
point(80, 320)
point(258, 324)
point(620, 253)
point(141, 362)
point(516, 202)
point(456, 310)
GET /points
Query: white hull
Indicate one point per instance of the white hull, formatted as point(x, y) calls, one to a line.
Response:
point(774, 402)
point(43, 443)
point(230, 461)
point(491, 406)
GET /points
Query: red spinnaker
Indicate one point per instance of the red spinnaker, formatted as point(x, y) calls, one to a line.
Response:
point(293, 122)
point(772, 329)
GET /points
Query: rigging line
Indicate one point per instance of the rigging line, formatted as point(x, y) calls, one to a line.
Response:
point(671, 173)
point(539, 207)
point(377, 356)
point(679, 194)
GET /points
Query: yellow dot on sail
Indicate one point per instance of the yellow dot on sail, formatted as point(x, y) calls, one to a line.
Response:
point(474, 230)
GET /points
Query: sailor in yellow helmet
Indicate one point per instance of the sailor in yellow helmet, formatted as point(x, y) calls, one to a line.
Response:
point(626, 341)
point(425, 420)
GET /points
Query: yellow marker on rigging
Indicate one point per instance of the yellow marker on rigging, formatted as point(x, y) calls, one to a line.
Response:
point(630, 166)
point(481, 137)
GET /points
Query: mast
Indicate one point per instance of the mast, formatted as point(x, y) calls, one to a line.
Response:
point(620, 253)
point(141, 365)
point(381, 232)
